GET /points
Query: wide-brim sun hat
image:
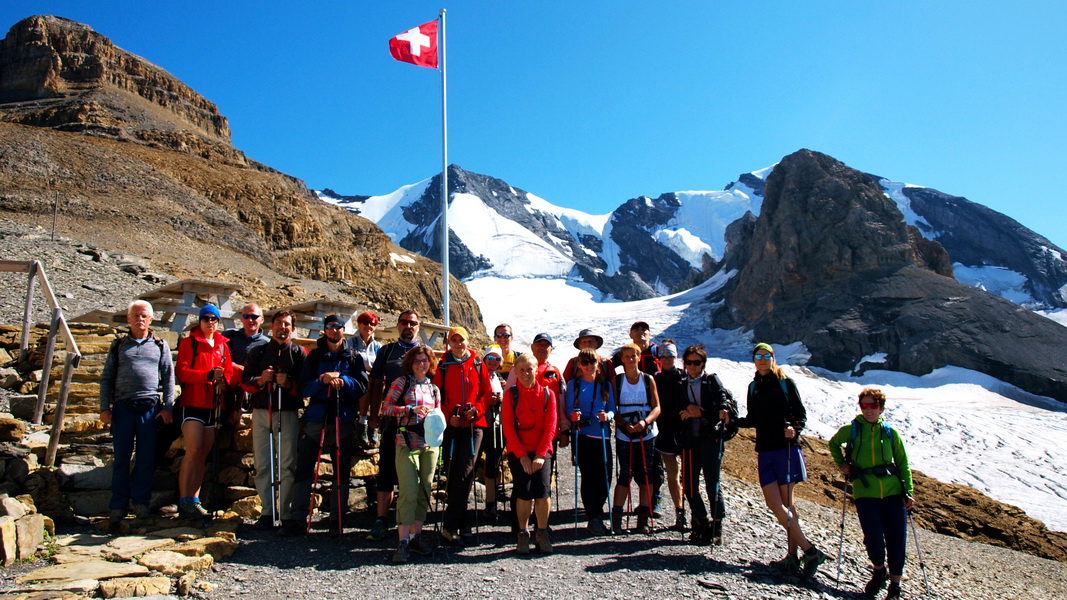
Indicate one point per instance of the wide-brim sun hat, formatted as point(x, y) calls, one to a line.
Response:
point(588, 333)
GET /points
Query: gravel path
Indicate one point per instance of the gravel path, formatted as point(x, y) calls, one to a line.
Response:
point(627, 566)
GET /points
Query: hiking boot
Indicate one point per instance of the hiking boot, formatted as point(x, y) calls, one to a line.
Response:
point(878, 580)
point(419, 545)
point(116, 516)
point(362, 441)
point(378, 530)
point(293, 528)
point(616, 520)
point(490, 513)
point(453, 538)
point(402, 553)
point(264, 523)
point(544, 544)
point(468, 539)
point(789, 564)
point(142, 511)
point(701, 534)
point(372, 437)
point(716, 533)
point(523, 544)
point(657, 501)
point(642, 521)
point(811, 561)
point(893, 592)
point(193, 510)
point(596, 527)
point(680, 523)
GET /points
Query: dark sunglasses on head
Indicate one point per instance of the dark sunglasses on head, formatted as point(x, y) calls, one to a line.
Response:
point(250, 316)
point(767, 356)
point(335, 326)
point(503, 335)
point(694, 363)
point(865, 405)
point(407, 322)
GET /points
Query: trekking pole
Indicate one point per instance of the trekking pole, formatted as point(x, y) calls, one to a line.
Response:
point(687, 484)
point(270, 424)
point(841, 543)
point(713, 507)
point(605, 431)
point(919, 551)
point(789, 504)
point(574, 463)
point(474, 468)
point(315, 479)
point(216, 496)
point(629, 484)
point(337, 463)
point(648, 484)
point(277, 455)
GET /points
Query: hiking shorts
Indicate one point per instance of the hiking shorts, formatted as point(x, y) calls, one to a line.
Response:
point(531, 487)
point(773, 466)
point(195, 413)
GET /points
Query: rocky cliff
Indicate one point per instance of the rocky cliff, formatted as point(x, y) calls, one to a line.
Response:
point(142, 164)
point(830, 263)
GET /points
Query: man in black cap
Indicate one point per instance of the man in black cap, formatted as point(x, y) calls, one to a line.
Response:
point(649, 359)
point(333, 378)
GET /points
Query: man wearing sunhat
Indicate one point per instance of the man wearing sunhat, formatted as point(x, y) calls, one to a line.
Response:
point(588, 339)
point(366, 346)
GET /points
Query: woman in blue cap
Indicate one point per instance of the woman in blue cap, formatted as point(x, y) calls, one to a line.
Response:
point(203, 369)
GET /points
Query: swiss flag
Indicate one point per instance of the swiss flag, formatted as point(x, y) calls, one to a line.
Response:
point(417, 45)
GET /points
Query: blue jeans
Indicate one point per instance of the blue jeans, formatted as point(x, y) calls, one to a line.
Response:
point(130, 429)
point(885, 529)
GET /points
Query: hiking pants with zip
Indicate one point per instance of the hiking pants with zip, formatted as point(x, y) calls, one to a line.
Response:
point(706, 459)
point(885, 529)
point(460, 473)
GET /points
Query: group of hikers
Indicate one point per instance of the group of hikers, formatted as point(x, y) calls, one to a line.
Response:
point(636, 418)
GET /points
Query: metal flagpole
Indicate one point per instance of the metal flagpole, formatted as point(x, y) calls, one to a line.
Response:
point(444, 170)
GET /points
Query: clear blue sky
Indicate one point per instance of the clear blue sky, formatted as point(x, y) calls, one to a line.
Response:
point(590, 103)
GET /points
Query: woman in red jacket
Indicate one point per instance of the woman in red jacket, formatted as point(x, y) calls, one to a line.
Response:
point(203, 368)
point(529, 421)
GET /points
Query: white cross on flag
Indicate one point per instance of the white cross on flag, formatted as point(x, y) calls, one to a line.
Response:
point(417, 45)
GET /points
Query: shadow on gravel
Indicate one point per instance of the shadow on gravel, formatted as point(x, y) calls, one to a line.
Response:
point(763, 573)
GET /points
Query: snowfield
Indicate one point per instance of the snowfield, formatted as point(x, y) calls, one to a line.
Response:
point(959, 426)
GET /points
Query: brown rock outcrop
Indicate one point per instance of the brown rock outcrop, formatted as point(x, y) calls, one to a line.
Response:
point(80, 78)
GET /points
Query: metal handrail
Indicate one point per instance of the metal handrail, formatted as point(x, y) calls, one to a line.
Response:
point(58, 327)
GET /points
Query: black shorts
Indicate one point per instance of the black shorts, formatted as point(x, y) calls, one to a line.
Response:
point(202, 415)
point(530, 487)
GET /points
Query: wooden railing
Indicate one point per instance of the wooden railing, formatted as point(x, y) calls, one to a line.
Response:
point(57, 328)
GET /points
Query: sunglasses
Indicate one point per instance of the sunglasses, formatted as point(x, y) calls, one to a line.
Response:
point(408, 322)
point(335, 326)
point(767, 356)
point(866, 406)
point(209, 319)
point(250, 316)
point(586, 363)
point(693, 363)
point(367, 323)
point(502, 335)
point(493, 358)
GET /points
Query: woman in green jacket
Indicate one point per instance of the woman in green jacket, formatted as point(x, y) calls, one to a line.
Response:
point(875, 460)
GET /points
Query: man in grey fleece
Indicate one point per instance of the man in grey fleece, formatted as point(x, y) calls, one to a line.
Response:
point(138, 367)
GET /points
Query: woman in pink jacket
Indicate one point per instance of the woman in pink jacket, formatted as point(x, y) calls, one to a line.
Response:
point(528, 416)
